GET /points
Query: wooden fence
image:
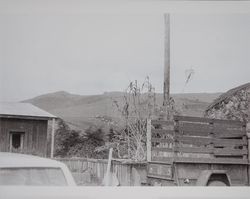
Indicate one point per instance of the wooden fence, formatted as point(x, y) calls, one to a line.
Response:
point(196, 138)
point(92, 171)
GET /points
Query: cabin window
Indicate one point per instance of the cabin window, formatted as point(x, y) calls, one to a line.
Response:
point(16, 141)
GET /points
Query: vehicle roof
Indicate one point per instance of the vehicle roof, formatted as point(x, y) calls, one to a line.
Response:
point(12, 160)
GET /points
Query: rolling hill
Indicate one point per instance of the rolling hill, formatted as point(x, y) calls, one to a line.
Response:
point(82, 111)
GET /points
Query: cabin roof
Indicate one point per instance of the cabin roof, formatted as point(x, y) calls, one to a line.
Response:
point(18, 109)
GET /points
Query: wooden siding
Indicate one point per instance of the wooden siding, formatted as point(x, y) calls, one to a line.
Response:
point(35, 134)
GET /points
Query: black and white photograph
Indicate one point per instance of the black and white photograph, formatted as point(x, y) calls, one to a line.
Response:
point(124, 99)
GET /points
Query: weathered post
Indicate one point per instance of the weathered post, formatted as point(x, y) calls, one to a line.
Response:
point(107, 178)
point(149, 140)
point(52, 138)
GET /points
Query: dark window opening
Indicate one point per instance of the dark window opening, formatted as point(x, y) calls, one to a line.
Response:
point(16, 141)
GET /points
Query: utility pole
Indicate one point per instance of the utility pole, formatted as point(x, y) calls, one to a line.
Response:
point(166, 87)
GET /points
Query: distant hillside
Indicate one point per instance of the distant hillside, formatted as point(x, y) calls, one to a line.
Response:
point(82, 111)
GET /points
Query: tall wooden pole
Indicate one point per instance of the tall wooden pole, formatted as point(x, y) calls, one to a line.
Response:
point(166, 59)
point(166, 87)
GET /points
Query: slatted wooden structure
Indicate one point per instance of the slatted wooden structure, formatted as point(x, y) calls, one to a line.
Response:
point(92, 171)
point(194, 137)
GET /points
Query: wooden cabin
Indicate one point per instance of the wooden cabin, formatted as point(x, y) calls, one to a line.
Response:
point(24, 129)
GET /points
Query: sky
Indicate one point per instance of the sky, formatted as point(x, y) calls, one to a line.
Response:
point(94, 53)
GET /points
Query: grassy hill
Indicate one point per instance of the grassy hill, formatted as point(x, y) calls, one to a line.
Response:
point(81, 111)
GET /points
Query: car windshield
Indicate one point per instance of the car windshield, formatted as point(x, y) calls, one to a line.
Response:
point(32, 176)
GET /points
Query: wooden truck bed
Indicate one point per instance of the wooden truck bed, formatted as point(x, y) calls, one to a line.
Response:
point(191, 137)
point(191, 144)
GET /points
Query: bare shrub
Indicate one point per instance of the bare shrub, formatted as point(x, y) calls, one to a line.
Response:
point(139, 104)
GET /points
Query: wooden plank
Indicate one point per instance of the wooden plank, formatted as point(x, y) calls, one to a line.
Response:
point(229, 128)
point(192, 119)
point(163, 159)
point(229, 142)
point(236, 161)
point(162, 132)
point(162, 140)
point(162, 122)
point(203, 150)
point(184, 149)
point(208, 120)
point(229, 152)
point(193, 133)
point(164, 149)
point(228, 122)
point(160, 162)
point(208, 140)
point(194, 140)
point(228, 134)
point(195, 128)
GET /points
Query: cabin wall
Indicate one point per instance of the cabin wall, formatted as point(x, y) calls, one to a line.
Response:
point(35, 135)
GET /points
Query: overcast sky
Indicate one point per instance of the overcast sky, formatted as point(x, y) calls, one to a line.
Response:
point(93, 53)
